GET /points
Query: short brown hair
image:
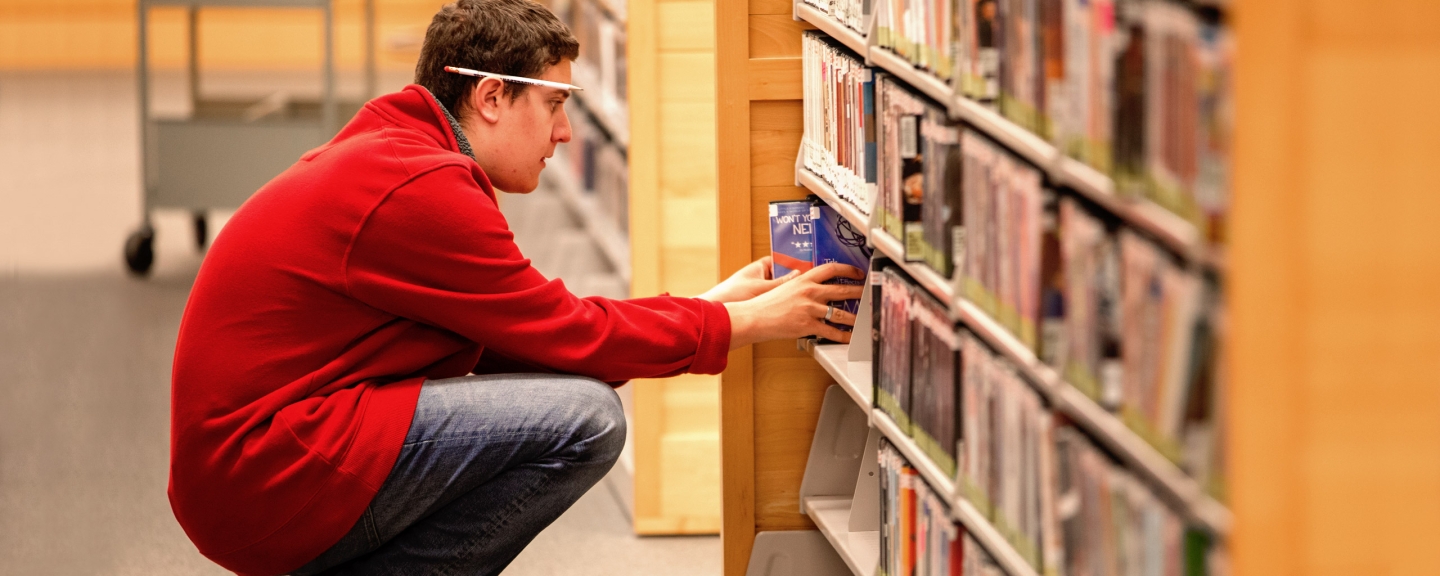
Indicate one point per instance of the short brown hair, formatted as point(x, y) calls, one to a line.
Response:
point(514, 37)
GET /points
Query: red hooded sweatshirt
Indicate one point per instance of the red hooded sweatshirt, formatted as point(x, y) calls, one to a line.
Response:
point(375, 262)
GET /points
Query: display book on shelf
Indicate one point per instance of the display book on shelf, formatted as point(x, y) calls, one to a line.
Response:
point(845, 155)
point(591, 173)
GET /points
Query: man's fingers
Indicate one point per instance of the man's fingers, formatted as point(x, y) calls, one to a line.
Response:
point(829, 292)
point(825, 272)
point(832, 333)
point(840, 316)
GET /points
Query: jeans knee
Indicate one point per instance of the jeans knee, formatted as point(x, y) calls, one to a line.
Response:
point(602, 427)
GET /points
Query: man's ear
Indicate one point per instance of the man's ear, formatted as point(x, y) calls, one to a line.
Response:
point(485, 99)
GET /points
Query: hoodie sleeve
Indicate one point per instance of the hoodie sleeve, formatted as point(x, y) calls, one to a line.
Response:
point(437, 250)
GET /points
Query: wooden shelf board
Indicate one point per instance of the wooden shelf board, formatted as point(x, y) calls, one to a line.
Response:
point(854, 377)
point(850, 38)
point(859, 550)
point(611, 241)
point(819, 187)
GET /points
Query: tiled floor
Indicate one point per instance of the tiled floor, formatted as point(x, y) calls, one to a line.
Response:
point(85, 355)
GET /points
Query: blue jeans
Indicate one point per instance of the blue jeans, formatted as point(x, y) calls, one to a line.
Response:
point(489, 462)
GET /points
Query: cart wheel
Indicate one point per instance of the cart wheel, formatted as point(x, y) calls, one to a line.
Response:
point(202, 229)
point(140, 250)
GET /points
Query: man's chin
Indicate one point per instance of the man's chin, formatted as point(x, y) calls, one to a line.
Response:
point(519, 187)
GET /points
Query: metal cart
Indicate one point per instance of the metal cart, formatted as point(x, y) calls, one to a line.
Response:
point(228, 149)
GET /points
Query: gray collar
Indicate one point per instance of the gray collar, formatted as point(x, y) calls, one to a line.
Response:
point(460, 139)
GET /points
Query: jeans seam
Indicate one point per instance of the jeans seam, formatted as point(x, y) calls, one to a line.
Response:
point(527, 435)
point(509, 514)
point(372, 532)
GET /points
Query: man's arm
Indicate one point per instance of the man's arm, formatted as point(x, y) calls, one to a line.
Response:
point(438, 251)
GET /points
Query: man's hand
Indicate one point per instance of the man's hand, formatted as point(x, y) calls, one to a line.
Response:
point(748, 282)
point(796, 308)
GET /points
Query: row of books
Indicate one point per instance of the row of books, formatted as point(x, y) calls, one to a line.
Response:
point(1138, 89)
point(839, 139)
point(598, 166)
point(1117, 315)
point(851, 13)
point(601, 67)
point(1130, 328)
point(962, 205)
point(1111, 524)
point(923, 32)
point(918, 534)
point(978, 420)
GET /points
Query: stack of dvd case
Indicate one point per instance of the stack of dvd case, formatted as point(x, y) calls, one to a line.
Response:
point(1173, 110)
point(809, 233)
point(900, 167)
point(1003, 217)
point(918, 366)
point(893, 358)
point(1137, 89)
point(920, 31)
point(851, 13)
point(839, 140)
point(1113, 524)
point(1138, 333)
point(918, 535)
point(598, 166)
point(1008, 461)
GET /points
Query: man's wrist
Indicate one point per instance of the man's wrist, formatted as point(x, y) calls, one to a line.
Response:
point(742, 324)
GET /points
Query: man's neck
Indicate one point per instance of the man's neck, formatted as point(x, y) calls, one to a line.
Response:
point(462, 137)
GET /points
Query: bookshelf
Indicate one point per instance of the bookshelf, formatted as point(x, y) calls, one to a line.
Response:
point(591, 176)
point(759, 130)
point(613, 242)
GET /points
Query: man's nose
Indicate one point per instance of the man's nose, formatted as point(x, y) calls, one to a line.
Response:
point(562, 128)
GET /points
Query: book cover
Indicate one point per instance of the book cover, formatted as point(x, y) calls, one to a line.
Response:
point(837, 240)
point(791, 237)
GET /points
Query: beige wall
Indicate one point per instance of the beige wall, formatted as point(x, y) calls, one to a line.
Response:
point(99, 34)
